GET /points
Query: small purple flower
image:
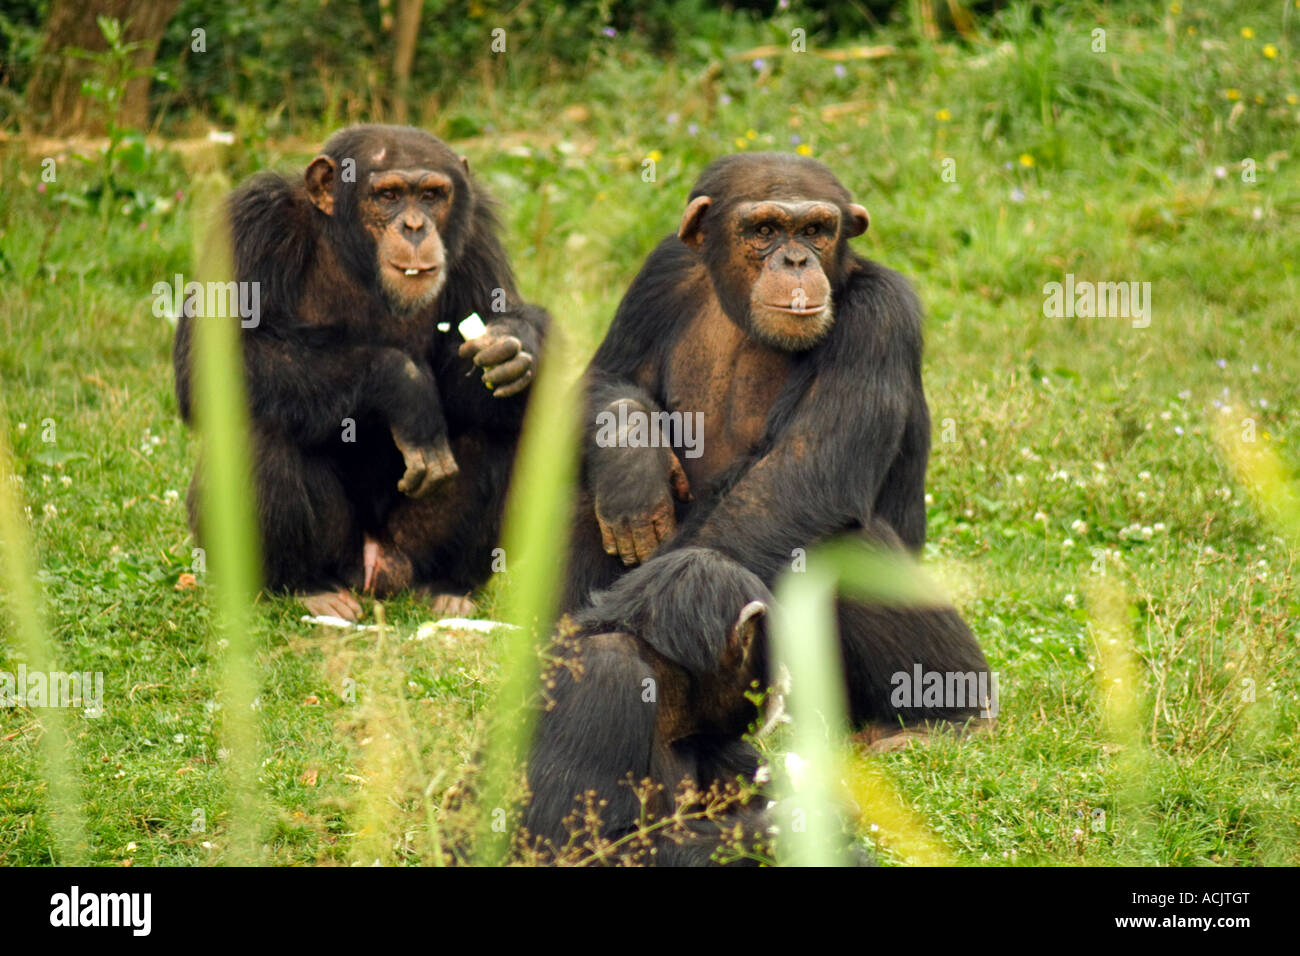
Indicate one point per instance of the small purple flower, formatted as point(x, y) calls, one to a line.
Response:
point(725, 99)
point(1217, 404)
point(759, 64)
point(1017, 195)
point(783, 4)
point(40, 187)
point(609, 32)
point(672, 119)
point(840, 71)
point(693, 129)
point(1222, 363)
point(795, 139)
point(1178, 429)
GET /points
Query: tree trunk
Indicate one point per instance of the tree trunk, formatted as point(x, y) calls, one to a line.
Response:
point(405, 34)
point(55, 103)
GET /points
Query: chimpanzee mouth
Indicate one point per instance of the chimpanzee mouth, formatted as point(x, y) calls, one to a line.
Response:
point(415, 270)
point(808, 310)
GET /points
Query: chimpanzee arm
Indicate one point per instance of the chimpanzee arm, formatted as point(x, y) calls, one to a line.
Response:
point(633, 486)
point(468, 400)
point(481, 282)
point(305, 392)
point(828, 452)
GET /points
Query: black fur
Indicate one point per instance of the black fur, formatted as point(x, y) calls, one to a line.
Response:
point(668, 621)
point(853, 405)
point(328, 348)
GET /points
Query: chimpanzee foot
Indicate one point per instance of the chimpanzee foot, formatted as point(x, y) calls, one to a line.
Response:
point(338, 603)
point(881, 739)
point(443, 604)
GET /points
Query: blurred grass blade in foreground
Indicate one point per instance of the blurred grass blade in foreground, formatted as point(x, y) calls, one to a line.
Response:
point(824, 773)
point(22, 597)
point(229, 533)
point(535, 542)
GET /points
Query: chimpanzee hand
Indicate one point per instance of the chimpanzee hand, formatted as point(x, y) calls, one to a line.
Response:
point(507, 368)
point(427, 465)
point(634, 490)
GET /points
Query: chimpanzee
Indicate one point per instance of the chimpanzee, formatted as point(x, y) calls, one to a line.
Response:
point(791, 366)
point(650, 691)
point(381, 460)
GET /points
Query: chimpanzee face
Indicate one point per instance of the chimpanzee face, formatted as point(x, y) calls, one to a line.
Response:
point(396, 218)
point(773, 245)
point(404, 211)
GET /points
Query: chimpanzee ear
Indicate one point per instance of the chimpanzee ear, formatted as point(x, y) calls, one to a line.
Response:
point(860, 220)
point(690, 231)
point(464, 161)
point(320, 178)
point(741, 640)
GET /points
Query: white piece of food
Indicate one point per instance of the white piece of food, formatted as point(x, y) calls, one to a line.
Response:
point(471, 327)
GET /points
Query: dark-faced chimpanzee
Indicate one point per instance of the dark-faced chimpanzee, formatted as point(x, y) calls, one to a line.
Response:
point(383, 443)
point(795, 366)
point(648, 696)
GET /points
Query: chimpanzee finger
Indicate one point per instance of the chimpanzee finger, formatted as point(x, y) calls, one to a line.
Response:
point(509, 371)
point(515, 387)
point(415, 472)
point(432, 478)
point(665, 523)
point(343, 606)
point(470, 347)
point(349, 602)
point(607, 537)
point(626, 546)
point(677, 477)
point(444, 463)
point(502, 350)
point(643, 538)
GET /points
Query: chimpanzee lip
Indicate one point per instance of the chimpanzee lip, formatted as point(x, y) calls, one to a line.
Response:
point(807, 310)
point(413, 270)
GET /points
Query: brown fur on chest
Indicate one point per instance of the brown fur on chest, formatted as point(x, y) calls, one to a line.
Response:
point(717, 370)
point(331, 298)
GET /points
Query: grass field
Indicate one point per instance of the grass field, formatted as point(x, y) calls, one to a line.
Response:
point(1082, 479)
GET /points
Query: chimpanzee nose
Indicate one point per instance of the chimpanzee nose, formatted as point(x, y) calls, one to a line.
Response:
point(795, 257)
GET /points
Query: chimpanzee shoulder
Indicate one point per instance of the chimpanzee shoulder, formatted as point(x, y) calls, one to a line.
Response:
point(274, 239)
point(654, 307)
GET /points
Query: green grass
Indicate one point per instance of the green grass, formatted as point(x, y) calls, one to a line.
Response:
point(1056, 441)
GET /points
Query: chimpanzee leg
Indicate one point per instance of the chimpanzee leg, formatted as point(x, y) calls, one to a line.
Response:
point(905, 665)
point(449, 536)
point(310, 538)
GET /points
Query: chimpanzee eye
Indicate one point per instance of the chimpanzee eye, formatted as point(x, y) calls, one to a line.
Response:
point(433, 195)
point(388, 195)
point(813, 229)
point(765, 230)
